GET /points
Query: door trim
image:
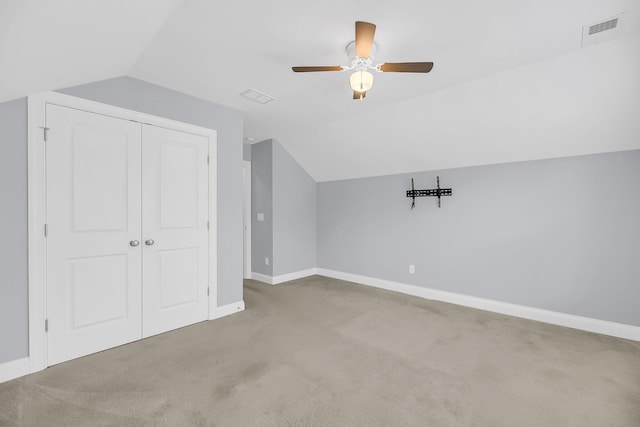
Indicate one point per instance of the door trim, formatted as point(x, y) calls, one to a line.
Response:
point(246, 170)
point(36, 178)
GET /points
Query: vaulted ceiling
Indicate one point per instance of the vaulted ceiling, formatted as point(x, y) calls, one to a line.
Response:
point(511, 81)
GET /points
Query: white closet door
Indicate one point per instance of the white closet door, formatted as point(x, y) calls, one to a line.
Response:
point(93, 206)
point(175, 237)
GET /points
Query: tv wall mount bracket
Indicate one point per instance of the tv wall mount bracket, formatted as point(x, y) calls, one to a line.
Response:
point(432, 192)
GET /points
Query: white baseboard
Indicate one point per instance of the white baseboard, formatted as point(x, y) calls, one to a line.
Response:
point(228, 309)
point(294, 276)
point(562, 319)
point(274, 280)
point(262, 278)
point(14, 369)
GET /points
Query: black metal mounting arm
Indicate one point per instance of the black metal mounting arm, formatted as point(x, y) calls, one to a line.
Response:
point(435, 192)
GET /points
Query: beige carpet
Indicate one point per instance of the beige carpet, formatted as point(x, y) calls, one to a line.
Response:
point(321, 352)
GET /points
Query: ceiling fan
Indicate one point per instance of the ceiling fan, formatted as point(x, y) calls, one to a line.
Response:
point(361, 52)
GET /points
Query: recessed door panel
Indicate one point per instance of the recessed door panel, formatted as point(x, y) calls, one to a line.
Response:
point(98, 290)
point(175, 214)
point(93, 207)
point(178, 278)
point(179, 192)
point(100, 178)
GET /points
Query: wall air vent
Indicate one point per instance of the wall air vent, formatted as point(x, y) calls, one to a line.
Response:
point(601, 31)
point(256, 96)
point(603, 26)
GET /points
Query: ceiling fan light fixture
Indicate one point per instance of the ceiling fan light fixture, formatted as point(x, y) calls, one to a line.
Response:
point(361, 81)
point(361, 53)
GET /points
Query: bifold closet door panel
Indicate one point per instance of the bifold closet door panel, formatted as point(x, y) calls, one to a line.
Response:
point(175, 237)
point(93, 211)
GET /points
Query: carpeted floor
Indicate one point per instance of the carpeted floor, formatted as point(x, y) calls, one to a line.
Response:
point(321, 352)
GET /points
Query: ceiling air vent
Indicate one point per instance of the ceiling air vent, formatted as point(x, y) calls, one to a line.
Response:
point(256, 96)
point(601, 31)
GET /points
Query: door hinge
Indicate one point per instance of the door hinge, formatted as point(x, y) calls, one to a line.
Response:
point(46, 325)
point(45, 131)
point(46, 230)
point(208, 159)
point(207, 225)
point(207, 291)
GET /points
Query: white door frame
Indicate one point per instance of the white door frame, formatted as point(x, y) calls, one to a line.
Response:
point(246, 170)
point(37, 215)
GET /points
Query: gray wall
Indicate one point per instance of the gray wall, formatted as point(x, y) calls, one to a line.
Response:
point(14, 327)
point(294, 214)
point(246, 152)
point(262, 201)
point(560, 234)
point(287, 196)
point(135, 95)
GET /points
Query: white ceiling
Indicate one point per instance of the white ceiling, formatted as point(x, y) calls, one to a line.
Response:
point(510, 80)
point(51, 44)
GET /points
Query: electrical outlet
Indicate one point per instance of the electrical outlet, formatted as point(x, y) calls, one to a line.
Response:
point(260, 216)
point(412, 269)
point(266, 260)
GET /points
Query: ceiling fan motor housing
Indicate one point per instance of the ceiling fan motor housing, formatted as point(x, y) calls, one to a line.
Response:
point(357, 62)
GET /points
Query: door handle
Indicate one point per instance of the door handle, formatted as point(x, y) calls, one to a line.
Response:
point(149, 242)
point(134, 243)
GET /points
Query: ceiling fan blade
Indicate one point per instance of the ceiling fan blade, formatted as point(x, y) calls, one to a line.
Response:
point(406, 67)
point(320, 68)
point(364, 38)
point(359, 95)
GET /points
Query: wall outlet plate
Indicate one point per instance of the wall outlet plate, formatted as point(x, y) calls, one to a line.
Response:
point(412, 269)
point(266, 260)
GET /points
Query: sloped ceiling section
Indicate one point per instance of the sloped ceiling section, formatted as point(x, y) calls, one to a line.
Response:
point(583, 102)
point(510, 82)
point(407, 122)
point(47, 45)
